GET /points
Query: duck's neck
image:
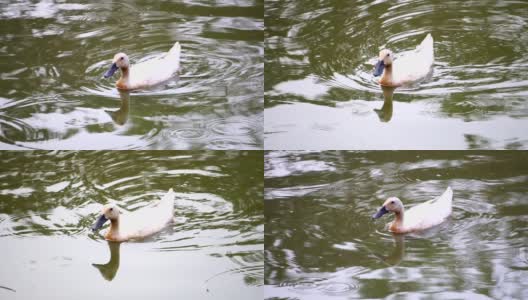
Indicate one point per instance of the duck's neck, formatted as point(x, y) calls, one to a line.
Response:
point(386, 78)
point(123, 81)
point(397, 224)
point(113, 233)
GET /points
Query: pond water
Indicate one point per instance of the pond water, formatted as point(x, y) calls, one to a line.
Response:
point(54, 53)
point(321, 242)
point(320, 92)
point(49, 200)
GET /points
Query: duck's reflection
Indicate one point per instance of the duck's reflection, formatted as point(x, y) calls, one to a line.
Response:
point(120, 116)
point(385, 113)
point(396, 256)
point(109, 270)
point(398, 251)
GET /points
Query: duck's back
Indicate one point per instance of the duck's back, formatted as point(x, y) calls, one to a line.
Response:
point(154, 71)
point(430, 213)
point(148, 220)
point(415, 65)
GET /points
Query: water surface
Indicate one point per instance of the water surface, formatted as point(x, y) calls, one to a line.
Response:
point(321, 242)
point(53, 55)
point(320, 92)
point(49, 200)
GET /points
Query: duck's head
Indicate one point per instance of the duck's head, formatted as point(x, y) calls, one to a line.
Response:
point(109, 212)
point(392, 204)
point(120, 61)
point(384, 60)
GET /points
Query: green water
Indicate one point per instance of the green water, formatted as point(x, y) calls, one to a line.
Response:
point(320, 92)
point(320, 240)
point(53, 55)
point(49, 200)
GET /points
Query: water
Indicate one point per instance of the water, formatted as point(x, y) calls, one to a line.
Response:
point(320, 92)
point(53, 55)
point(321, 242)
point(49, 200)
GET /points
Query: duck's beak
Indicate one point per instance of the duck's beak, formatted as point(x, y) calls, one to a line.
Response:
point(99, 223)
point(378, 69)
point(380, 213)
point(111, 71)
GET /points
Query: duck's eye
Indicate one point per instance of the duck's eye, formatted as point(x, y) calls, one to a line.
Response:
point(111, 208)
point(392, 202)
point(122, 58)
point(388, 54)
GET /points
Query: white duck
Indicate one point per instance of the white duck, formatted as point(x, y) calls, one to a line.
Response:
point(147, 73)
point(419, 217)
point(138, 224)
point(409, 68)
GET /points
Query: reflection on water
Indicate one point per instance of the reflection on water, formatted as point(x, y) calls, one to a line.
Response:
point(109, 270)
point(320, 240)
point(49, 200)
point(398, 251)
point(385, 112)
point(319, 86)
point(53, 96)
point(120, 116)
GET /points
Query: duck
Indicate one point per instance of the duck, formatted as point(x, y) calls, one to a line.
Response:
point(145, 74)
point(409, 68)
point(420, 217)
point(138, 224)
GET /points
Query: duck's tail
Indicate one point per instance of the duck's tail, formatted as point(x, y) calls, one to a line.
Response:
point(175, 50)
point(446, 200)
point(173, 56)
point(167, 206)
point(427, 41)
point(168, 197)
point(170, 194)
point(426, 49)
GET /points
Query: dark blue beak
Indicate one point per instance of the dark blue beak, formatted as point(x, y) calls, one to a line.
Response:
point(378, 70)
point(380, 213)
point(99, 223)
point(111, 71)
